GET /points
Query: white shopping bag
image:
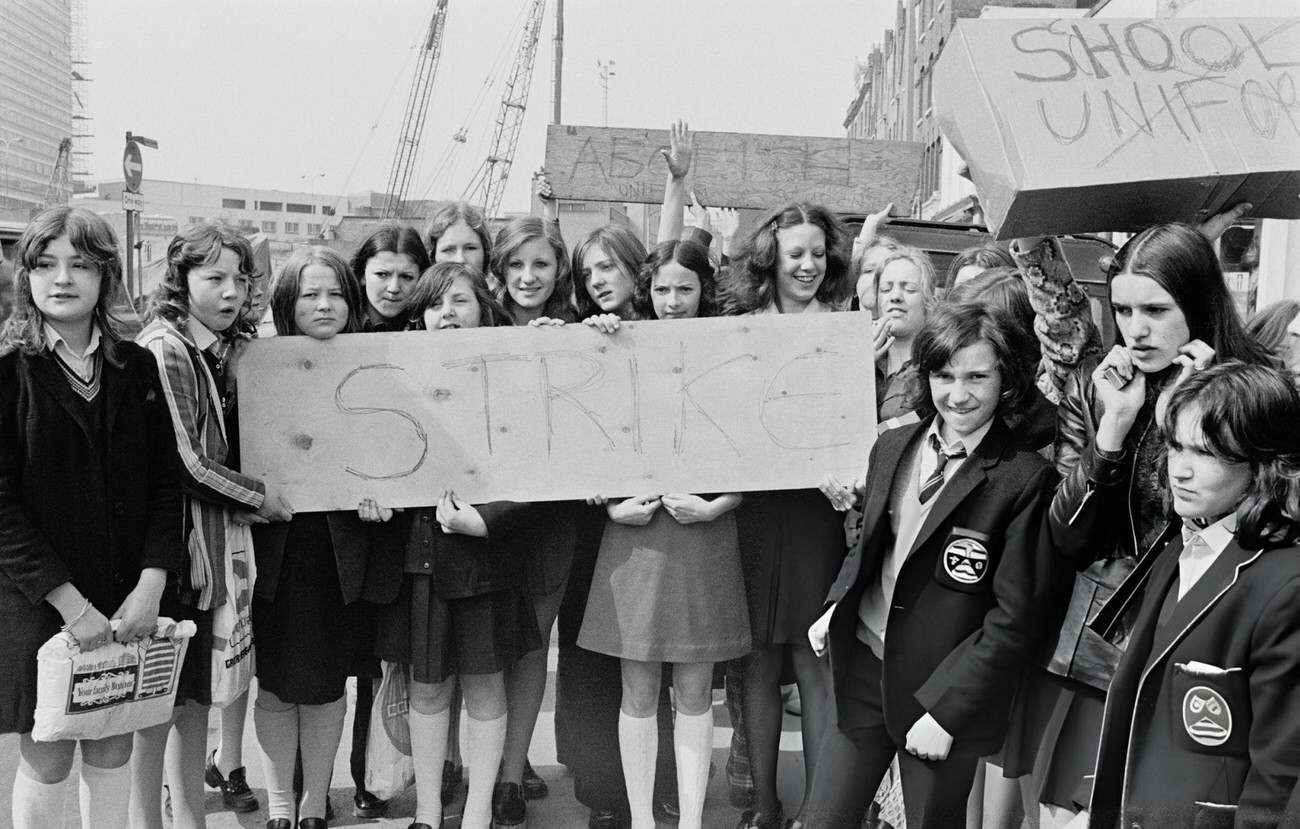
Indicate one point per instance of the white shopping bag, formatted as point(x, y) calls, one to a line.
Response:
point(389, 767)
point(114, 689)
point(232, 621)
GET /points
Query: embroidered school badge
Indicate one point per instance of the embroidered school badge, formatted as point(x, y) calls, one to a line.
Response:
point(966, 561)
point(1206, 716)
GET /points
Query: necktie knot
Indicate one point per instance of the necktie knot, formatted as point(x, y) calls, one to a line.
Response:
point(935, 482)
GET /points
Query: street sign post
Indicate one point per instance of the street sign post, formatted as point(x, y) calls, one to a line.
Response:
point(132, 202)
point(132, 166)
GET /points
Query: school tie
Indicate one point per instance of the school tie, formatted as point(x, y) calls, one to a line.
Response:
point(935, 482)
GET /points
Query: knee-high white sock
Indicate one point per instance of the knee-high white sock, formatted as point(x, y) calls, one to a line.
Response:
point(105, 796)
point(37, 805)
point(485, 740)
point(428, 750)
point(320, 728)
point(276, 725)
point(693, 744)
point(638, 745)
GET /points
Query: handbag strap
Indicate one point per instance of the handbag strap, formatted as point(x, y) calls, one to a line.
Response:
point(1109, 614)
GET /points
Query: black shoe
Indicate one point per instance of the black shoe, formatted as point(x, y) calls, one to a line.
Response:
point(235, 794)
point(279, 823)
point(365, 804)
point(452, 777)
point(751, 819)
point(313, 823)
point(534, 786)
point(666, 811)
point(605, 819)
point(508, 808)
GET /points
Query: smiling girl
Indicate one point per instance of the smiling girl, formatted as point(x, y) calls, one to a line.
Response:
point(531, 264)
point(89, 498)
point(462, 613)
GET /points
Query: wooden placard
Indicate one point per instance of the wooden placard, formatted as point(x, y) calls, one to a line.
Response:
point(1111, 124)
point(529, 414)
point(733, 169)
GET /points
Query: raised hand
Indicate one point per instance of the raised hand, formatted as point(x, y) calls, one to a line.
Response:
point(681, 148)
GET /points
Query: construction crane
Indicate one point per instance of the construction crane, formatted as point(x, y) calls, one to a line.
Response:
point(489, 183)
point(59, 190)
point(417, 107)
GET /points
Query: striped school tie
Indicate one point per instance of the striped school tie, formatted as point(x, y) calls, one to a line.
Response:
point(935, 481)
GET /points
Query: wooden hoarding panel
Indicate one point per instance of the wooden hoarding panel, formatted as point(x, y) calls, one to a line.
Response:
point(527, 414)
point(733, 169)
point(1112, 124)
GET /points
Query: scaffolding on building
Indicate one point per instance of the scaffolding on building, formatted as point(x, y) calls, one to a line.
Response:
point(79, 159)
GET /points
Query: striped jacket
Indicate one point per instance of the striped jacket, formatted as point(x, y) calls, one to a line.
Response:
point(212, 490)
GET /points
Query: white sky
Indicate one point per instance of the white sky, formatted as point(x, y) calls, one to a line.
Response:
point(269, 93)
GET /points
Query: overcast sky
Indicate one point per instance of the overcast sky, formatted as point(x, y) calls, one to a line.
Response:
point(269, 93)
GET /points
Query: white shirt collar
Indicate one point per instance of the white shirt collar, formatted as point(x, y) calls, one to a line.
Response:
point(1216, 537)
point(970, 443)
point(54, 339)
point(200, 333)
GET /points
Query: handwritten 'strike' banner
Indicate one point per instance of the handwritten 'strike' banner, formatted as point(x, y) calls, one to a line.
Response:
point(543, 414)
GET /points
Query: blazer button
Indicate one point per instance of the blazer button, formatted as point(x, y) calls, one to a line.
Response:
point(119, 508)
point(425, 565)
point(424, 518)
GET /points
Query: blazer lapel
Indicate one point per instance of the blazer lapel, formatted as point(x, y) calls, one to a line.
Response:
point(969, 475)
point(112, 386)
point(888, 461)
point(48, 374)
point(1204, 594)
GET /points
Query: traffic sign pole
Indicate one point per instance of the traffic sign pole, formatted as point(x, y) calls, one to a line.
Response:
point(132, 202)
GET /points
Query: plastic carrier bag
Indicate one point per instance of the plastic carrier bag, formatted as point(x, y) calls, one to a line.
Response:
point(233, 655)
point(389, 766)
point(115, 689)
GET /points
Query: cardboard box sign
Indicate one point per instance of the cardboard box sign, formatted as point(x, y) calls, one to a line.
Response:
point(734, 169)
point(1110, 124)
point(548, 414)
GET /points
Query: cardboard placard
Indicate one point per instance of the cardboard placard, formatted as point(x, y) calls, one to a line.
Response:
point(546, 414)
point(733, 169)
point(1103, 124)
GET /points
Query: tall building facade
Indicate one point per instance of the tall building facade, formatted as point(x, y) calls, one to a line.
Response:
point(36, 99)
point(894, 101)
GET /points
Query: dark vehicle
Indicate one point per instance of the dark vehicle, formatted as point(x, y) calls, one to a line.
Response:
point(944, 240)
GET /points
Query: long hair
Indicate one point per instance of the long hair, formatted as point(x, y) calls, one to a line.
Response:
point(1002, 288)
point(919, 258)
point(1182, 262)
point(1248, 414)
point(622, 246)
point(93, 238)
point(389, 237)
point(516, 234)
point(983, 256)
point(954, 326)
point(288, 283)
point(447, 216)
point(1269, 326)
point(199, 246)
point(858, 262)
point(690, 255)
point(437, 280)
point(751, 282)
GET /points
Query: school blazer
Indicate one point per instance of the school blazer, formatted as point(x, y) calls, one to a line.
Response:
point(352, 539)
point(1171, 739)
point(81, 504)
point(961, 625)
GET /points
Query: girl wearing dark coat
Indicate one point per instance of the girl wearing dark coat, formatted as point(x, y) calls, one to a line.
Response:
point(89, 498)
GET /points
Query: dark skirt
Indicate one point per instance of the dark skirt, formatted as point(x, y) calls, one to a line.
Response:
point(1068, 753)
point(440, 638)
point(305, 635)
point(195, 683)
point(1031, 713)
point(791, 548)
point(26, 627)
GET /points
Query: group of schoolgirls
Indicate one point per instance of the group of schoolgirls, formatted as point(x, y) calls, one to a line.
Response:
point(956, 625)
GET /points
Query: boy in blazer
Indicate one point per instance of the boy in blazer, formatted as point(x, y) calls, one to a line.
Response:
point(933, 613)
point(1202, 720)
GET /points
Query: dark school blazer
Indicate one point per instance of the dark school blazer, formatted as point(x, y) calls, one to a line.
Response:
point(352, 539)
point(971, 600)
point(1170, 738)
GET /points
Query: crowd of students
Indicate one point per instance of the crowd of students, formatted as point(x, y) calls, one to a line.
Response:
point(1070, 578)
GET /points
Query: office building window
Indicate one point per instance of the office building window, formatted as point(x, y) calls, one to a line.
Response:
point(247, 224)
point(269, 205)
point(233, 204)
point(299, 208)
point(313, 230)
point(291, 228)
point(268, 227)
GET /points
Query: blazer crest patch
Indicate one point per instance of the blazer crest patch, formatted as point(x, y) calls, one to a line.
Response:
point(1206, 716)
point(966, 561)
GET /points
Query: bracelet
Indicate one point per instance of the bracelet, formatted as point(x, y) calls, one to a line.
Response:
point(85, 608)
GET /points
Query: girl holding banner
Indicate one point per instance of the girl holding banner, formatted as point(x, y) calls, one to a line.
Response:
point(89, 498)
point(662, 565)
point(192, 337)
point(791, 542)
point(387, 264)
point(462, 614)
